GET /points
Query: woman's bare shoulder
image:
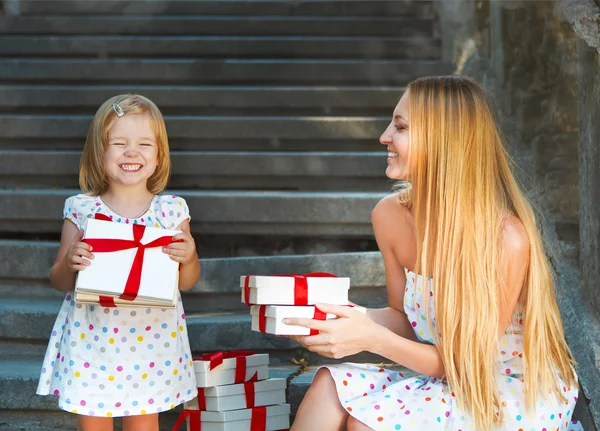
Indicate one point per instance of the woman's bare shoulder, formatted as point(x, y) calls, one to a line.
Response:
point(394, 229)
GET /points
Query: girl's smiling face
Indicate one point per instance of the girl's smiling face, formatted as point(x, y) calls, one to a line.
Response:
point(396, 139)
point(131, 155)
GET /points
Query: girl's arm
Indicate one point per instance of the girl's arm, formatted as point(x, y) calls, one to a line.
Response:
point(71, 257)
point(185, 253)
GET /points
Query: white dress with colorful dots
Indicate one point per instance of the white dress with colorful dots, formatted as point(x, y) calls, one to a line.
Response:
point(387, 400)
point(124, 361)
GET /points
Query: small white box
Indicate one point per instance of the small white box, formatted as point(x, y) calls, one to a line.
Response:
point(225, 373)
point(233, 397)
point(86, 298)
point(283, 290)
point(278, 418)
point(268, 318)
point(109, 270)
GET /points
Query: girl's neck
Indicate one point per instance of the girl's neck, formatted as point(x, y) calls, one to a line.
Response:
point(127, 202)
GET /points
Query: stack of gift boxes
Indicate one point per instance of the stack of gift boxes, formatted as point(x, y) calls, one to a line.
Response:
point(274, 298)
point(236, 394)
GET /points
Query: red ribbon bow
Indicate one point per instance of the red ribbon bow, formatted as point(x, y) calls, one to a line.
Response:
point(300, 286)
point(262, 319)
point(216, 359)
point(258, 420)
point(103, 245)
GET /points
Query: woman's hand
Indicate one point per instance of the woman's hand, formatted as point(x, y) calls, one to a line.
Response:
point(183, 247)
point(347, 335)
point(79, 253)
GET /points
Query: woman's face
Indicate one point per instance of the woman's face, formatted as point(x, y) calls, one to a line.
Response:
point(396, 139)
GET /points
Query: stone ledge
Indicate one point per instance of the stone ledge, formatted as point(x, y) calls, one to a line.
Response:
point(216, 25)
point(220, 47)
point(192, 71)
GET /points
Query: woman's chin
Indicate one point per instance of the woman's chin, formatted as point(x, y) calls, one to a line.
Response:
point(393, 173)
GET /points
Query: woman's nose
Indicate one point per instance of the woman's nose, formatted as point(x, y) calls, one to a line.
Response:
point(386, 136)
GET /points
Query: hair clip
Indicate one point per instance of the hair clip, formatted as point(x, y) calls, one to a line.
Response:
point(118, 110)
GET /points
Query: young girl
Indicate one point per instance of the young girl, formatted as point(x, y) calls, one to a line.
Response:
point(126, 361)
point(471, 311)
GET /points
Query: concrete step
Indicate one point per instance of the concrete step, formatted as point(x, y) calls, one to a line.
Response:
point(26, 324)
point(215, 170)
point(341, 214)
point(24, 268)
point(205, 100)
point(220, 47)
point(195, 126)
point(193, 25)
point(230, 71)
point(21, 409)
point(247, 8)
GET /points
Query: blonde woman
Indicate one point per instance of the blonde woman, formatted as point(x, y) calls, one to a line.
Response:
point(471, 309)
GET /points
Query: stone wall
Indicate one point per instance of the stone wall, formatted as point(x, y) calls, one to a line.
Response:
point(539, 60)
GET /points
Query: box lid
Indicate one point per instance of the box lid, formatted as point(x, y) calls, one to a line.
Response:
point(260, 386)
point(269, 281)
point(243, 414)
point(305, 311)
point(255, 360)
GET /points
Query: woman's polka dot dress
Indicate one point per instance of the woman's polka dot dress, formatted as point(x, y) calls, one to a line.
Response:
point(388, 400)
point(122, 361)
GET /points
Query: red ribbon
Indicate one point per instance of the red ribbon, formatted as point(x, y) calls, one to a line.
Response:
point(201, 400)
point(258, 420)
point(318, 315)
point(195, 422)
point(216, 358)
point(262, 319)
point(100, 245)
point(300, 286)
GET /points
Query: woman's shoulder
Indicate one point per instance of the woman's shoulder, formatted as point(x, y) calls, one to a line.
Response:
point(393, 226)
point(514, 237)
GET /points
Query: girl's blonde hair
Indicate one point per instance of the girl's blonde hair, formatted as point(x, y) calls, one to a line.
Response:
point(92, 177)
point(461, 190)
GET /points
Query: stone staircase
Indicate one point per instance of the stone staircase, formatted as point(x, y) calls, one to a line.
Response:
point(273, 110)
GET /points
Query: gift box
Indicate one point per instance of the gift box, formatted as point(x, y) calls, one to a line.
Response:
point(227, 368)
point(241, 396)
point(269, 318)
point(272, 418)
point(294, 289)
point(128, 264)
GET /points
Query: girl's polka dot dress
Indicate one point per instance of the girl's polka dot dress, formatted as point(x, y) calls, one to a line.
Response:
point(387, 400)
point(122, 361)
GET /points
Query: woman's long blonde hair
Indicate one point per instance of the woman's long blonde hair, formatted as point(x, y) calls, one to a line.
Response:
point(462, 189)
point(92, 177)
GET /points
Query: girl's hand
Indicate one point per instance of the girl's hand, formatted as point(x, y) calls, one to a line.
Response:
point(79, 254)
point(183, 249)
point(347, 335)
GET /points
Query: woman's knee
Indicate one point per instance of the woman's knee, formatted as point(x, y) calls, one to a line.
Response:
point(323, 378)
point(355, 425)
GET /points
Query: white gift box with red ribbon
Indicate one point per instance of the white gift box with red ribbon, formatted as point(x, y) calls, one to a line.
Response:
point(241, 396)
point(269, 318)
point(271, 418)
point(128, 264)
point(228, 368)
point(295, 289)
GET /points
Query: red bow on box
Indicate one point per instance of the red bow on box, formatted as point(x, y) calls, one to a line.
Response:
point(216, 359)
point(262, 319)
point(104, 245)
point(258, 420)
point(300, 286)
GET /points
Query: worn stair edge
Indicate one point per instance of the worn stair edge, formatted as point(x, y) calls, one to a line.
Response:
point(245, 8)
point(217, 25)
point(197, 126)
point(219, 212)
point(32, 260)
point(220, 47)
point(89, 97)
point(231, 71)
point(214, 163)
